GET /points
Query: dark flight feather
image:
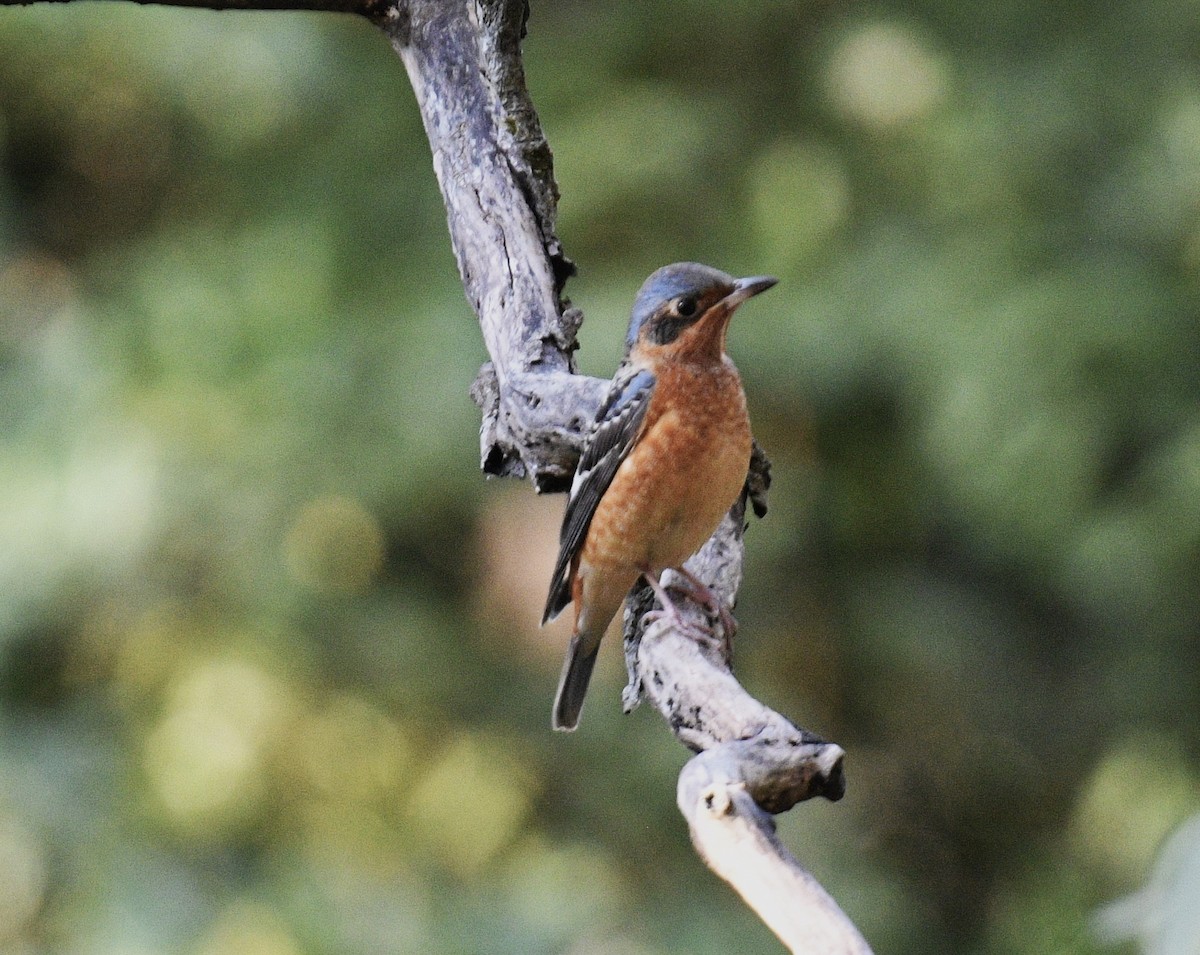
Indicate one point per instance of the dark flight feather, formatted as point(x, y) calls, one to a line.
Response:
point(616, 429)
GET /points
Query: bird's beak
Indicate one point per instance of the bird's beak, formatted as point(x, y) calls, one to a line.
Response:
point(748, 288)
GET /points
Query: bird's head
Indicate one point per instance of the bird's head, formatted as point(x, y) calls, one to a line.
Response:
point(684, 309)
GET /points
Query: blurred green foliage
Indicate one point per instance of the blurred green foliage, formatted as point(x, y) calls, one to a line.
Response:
point(270, 680)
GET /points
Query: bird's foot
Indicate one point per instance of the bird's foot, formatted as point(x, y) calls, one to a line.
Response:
point(672, 615)
point(699, 632)
point(669, 610)
point(704, 595)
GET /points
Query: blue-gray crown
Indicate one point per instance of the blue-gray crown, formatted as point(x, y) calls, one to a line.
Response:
point(671, 281)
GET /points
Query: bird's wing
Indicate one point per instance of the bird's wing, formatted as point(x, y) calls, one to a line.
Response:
point(618, 423)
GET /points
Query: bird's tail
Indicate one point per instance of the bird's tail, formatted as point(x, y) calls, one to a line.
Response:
point(573, 684)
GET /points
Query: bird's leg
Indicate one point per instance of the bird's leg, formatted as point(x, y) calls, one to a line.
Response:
point(704, 595)
point(671, 612)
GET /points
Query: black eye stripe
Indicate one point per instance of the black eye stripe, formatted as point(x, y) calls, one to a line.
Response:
point(666, 330)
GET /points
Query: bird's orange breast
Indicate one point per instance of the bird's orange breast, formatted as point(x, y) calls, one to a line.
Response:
point(681, 477)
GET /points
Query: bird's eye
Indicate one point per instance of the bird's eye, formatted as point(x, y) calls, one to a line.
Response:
point(686, 307)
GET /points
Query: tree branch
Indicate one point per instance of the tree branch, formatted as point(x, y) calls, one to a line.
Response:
point(737, 839)
point(752, 761)
point(497, 178)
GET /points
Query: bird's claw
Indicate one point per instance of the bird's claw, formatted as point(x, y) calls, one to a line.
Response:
point(704, 635)
point(720, 644)
point(675, 619)
point(706, 597)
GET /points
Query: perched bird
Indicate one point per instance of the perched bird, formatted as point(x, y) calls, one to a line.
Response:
point(665, 460)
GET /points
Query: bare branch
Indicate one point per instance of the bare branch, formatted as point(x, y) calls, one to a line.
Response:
point(737, 839)
point(497, 178)
point(752, 761)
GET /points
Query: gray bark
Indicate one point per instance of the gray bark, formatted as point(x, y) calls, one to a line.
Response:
point(496, 175)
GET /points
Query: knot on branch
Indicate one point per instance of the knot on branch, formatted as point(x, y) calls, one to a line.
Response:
point(775, 773)
point(758, 481)
point(534, 424)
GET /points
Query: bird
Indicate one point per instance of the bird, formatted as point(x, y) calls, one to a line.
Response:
point(664, 461)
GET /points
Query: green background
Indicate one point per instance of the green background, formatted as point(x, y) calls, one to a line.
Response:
point(271, 680)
